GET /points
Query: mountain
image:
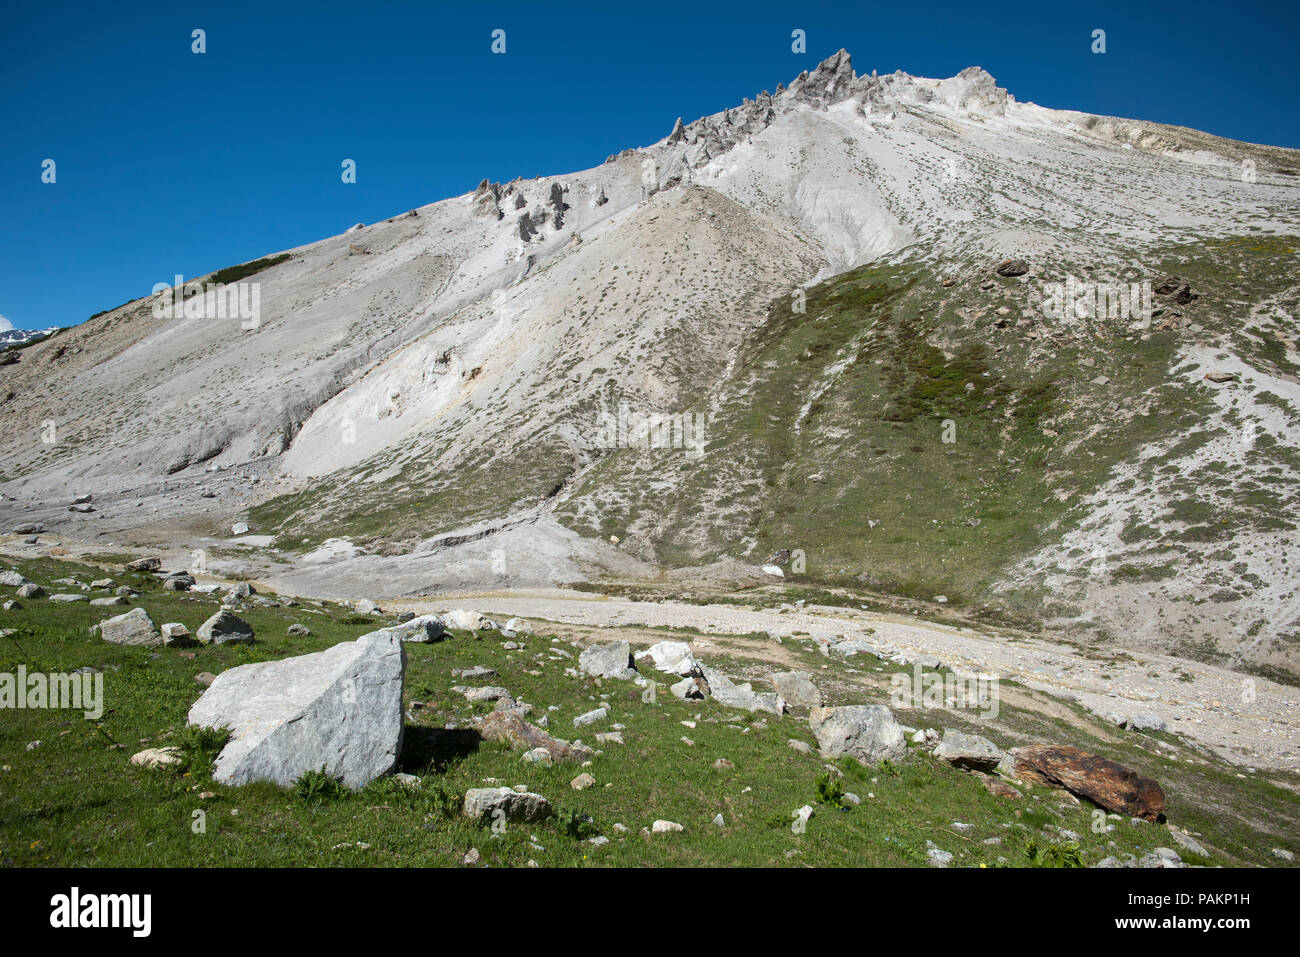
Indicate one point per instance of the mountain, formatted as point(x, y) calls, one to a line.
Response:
point(19, 337)
point(852, 308)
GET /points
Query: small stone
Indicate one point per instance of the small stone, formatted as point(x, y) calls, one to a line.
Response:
point(157, 758)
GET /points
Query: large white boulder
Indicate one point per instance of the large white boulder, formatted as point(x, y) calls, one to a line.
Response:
point(674, 657)
point(340, 709)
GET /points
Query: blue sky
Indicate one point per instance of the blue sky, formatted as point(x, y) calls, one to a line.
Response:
point(170, 162)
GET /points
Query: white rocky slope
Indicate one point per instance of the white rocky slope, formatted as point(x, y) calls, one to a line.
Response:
point(479, 336)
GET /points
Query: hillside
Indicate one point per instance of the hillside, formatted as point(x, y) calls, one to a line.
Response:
point(814, 274)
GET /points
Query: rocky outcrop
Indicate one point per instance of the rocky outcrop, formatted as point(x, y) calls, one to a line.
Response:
point(486, 200)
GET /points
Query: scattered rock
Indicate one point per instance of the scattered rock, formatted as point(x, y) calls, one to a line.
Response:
point(582, 782)
point(133, 628)
point(157, 758)
point(300, 631)
point(1146, 722)
point(665, 827)
point(176, 635)
point(608, 661)
point(30, 590)
point(426, 629)
point(510, 727)
point(591, 717)
point(225, 628)
point(867, 732)
point(507, 804)
point(969, 751)
point(797, 690)
point(725, 691)
point(1010, 268)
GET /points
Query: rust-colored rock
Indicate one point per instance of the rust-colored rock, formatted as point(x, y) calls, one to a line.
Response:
point(998, 788)
point(1107, 784)
point(510, 727)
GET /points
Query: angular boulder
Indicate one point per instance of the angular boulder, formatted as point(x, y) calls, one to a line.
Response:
point(969, 751)
point(608, 661)
point(225, 628)
point(133, 628)
point(1105, 783)
point(340, 709)
point(867, 732)
point(797, 689)
point(176, 635)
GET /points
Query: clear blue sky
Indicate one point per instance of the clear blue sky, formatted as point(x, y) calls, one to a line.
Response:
point(170, 162)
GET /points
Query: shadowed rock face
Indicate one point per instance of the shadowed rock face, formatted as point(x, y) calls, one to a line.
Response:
point(340, 709)
point(1110, 785)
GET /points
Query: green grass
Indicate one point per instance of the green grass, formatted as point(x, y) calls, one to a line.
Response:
point(76, 801)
